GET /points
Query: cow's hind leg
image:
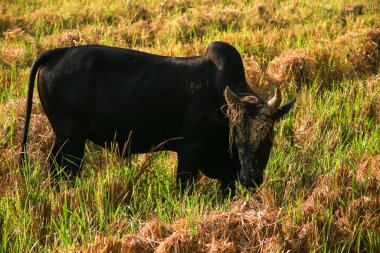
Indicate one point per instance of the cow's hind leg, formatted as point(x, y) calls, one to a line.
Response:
point(56, 158)
point(66, 157)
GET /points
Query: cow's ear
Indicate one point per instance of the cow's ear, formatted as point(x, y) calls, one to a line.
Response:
point(284, 109)
point(232, 99)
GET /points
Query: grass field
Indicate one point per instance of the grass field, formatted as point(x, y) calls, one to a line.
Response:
point(321, 190)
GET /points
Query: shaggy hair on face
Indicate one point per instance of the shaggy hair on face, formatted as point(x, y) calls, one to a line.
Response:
point(235, 115)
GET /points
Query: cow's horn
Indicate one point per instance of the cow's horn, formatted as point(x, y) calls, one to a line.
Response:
point(275, 101)
point(231, 98)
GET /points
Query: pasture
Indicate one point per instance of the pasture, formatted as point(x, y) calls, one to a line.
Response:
point(321, 186)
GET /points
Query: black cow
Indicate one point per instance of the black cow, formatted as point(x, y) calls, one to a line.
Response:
point(114, 95)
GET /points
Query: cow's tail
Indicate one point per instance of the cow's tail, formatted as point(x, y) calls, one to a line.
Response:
point(43, 58)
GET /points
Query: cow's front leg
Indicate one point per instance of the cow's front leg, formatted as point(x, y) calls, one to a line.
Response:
point(227, 188)
point(187, 171)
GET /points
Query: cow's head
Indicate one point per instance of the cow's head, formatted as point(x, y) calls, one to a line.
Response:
point(251, 131)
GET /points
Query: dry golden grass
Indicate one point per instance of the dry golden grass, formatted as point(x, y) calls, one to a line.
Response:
point(369, 171)
point(327, 206)
point(40, 138)
point(355, 54)
point(296, 66)
point(263, 226)
point(257, 226)
point(371, 107)
point(248, 226)
point(129, 244)
point(362, 51)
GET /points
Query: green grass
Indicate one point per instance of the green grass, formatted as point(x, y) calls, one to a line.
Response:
point(322, 183)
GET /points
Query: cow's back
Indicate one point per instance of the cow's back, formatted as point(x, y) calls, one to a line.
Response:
point(110, 92)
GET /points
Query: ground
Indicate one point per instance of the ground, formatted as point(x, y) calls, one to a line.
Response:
point(322, 184)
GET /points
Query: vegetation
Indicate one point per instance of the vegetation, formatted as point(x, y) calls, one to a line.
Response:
point(322, 184)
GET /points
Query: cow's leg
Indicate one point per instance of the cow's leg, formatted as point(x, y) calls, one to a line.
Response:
point(56, 158)
point(73, 152)
point(187, 170)
point(67, 154)
point(227, 188)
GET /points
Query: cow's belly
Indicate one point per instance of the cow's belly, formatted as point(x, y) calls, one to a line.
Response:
point(138, 138)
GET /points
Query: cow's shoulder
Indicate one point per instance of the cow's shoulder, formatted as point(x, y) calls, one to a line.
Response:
point(222, 52)
point(227, 60)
